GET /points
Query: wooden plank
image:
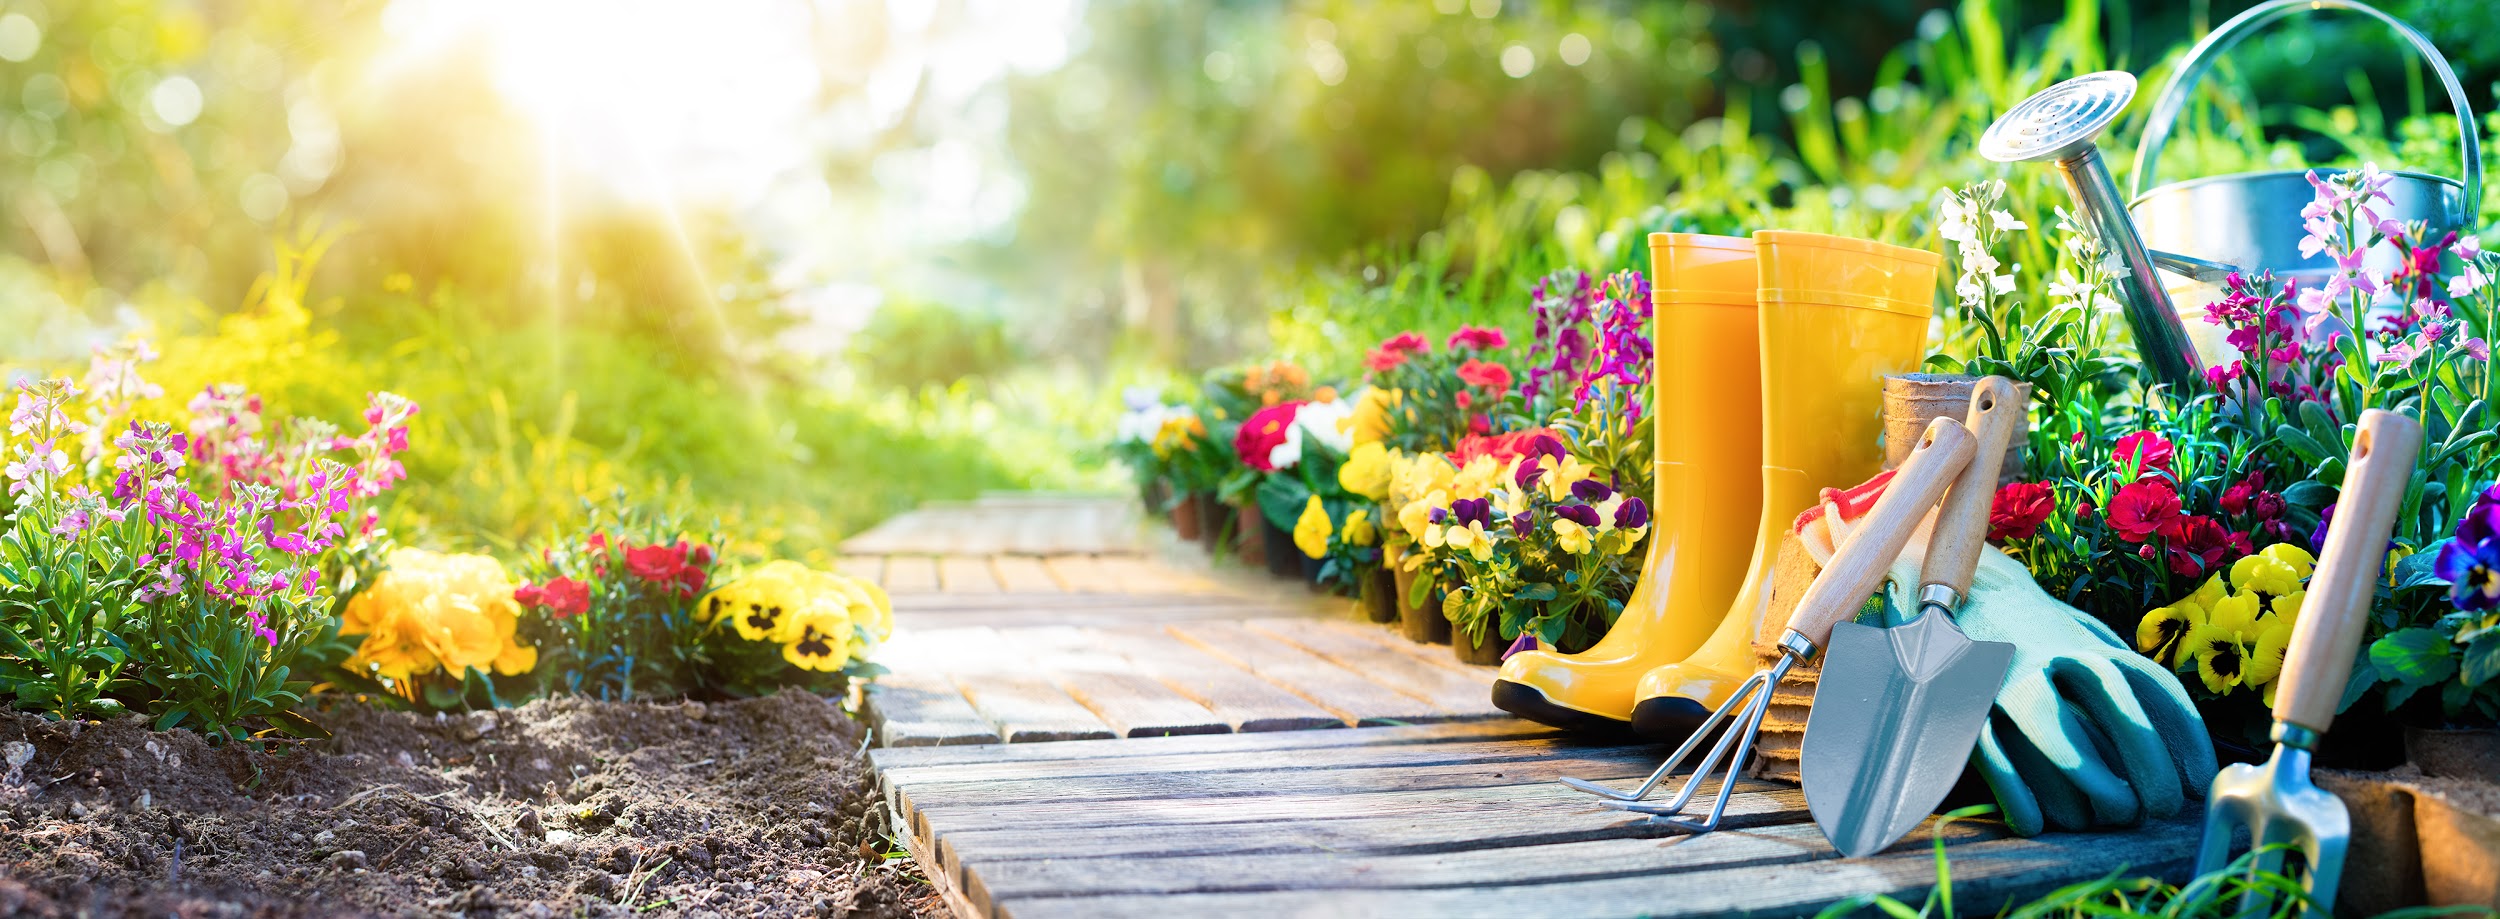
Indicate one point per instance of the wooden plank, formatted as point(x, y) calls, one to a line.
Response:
point(1080, 574)
point(995, 881)
point(924, 852)
point(1986, 876)
point(905, 574)
point(966, 574)
point(870, 568)
point(1283, 777)
point(889, 760)
point(1341, 691)
point(1387, 636)
point(1136, 575)
point(1019, 574)
point(1460, 750)
point(919, 710)
point(1448, 690)
point(1140, 706)
point(1029, 709)
point(1233, 695)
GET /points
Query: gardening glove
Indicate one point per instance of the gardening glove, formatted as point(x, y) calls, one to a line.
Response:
point(2086, 732)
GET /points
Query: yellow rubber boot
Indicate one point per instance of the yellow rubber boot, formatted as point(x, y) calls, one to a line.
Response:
point(1708, 422)
point(1837, 316)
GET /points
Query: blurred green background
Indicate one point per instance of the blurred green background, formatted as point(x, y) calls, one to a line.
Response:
point(799, 264)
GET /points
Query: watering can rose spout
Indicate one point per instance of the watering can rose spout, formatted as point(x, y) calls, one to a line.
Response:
point(2058, 125)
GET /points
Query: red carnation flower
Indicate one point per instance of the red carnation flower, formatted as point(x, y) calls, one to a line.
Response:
point(2141, 509)
point(527, 594)
point(1478, 339)
point(2197, 546)
point(2147, 449)
point(655, 563)
point(2019, 509)
point(1383, 360)
point(565, 598)
point(1262, 432)
point(1406, 343)
point(1485, 375)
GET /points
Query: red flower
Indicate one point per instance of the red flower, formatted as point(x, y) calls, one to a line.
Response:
point(527, 594)
point(1406, 343)
point(1260, 435)
point(1478, 339)
point(697, 554)
point(691, 581)
point(2141, 509)
point(656, 563)
point(565, 597)
point(1383, 360)
point(2019, 509)
point(1485, 375)
point(1502, 447)
point(2267, 506)
point(2148, 450)
point(2197, 545)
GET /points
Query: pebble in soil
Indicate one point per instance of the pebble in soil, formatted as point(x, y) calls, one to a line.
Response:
point(560, 807)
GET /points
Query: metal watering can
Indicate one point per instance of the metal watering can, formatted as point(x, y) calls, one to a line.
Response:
point(2201, 230)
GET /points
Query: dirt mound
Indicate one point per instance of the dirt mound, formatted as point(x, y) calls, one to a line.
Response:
point(559, 807)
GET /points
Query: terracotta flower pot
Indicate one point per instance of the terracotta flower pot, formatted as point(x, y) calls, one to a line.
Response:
point(1380, 595)
point(1284, 559)
point(1487, 651)
point(1419, 622)
point(1215, 519)
point(1185, 518)
point(1911, 400)
point(1250, 534)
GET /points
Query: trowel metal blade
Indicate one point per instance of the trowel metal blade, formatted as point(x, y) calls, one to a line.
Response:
point(1896, 713)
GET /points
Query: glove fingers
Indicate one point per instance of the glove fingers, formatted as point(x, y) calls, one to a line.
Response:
point(2175, 718)
point(2016, 802)
point(2050, 740)
point(2061, 805)
point(2103, 696)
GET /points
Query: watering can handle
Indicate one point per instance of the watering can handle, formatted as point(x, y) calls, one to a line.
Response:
point(2174, 92)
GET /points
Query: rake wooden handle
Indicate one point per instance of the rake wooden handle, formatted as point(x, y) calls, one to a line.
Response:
point(2320, 657)
point(1962, 524)
point(1868, 553)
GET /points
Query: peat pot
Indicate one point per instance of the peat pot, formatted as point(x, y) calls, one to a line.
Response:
point(1250, 534)
point(1911, 400)
point(2427, 832)
point(1380, 595)
point(1419, 622)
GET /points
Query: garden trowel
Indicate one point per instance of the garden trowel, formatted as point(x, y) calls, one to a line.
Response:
point(2276, 801)
point(1898, 710)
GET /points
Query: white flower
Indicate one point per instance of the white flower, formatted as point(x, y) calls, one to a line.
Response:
point(2003, 283)
point(2068, 289)
point(2005, 222)
point(1325, 422)
point(2466, 283)
point(2469, 247)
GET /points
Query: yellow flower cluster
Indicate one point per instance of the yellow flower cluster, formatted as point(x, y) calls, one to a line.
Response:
point(820, 619)
point(1373, 411)
point(2234, 635)
point(1495, 482)
point(430, 610)
point(1311, 531)
point(1178, 433)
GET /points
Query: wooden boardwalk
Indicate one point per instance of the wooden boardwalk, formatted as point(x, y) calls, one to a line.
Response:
point(1180, 779)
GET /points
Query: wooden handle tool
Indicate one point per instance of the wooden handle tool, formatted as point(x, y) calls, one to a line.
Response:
point(2349, 567)
point(1862, 560)
point(1996, 410)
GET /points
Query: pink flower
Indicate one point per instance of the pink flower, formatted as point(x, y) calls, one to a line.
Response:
point(2146, 449)
point(1485, 375)
point(2142, 509)
point(1473, 338)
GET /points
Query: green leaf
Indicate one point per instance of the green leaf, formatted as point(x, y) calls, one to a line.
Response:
point(296, 725)
point(1281, 499)
point(1537, 593)
point(2420, 568)
point(2301, 443)
point(2482, 660)
point(2310, 494)
point(166, 721)
point(2414, 657)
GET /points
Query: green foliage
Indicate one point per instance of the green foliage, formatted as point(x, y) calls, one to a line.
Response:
point(910, 345)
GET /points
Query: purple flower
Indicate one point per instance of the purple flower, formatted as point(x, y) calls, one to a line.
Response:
point(2317, 537)
point(1591, 490)
point(72, 523)
point(1471, 510)
point(1522, 523)
point(1581, 514)
point(1633, 513)
point(1525, 642)
point(1530, 472)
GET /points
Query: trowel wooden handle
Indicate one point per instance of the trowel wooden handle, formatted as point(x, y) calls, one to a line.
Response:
point(1962, 524)
point(2349, 567)
point(1860, 564)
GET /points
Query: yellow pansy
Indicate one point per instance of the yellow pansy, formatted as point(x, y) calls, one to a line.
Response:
point(1507, 502)
point(2265, 574)
point(2396, 553)
point(2300, 559)
point(2288, 605)
point(1416, 517)
point(2236, 614)
point(820, 638)
point(1310, 533)
point(1371, 415)
point(430, 610)
point(1573, 537)
point(2265, 656)
point(1626, 539)
point(1565, 473)
point(2160, 633)
point(1479, 476)
point(759, 605)
point(1358, 529)
point(1470, 539)
point(2221, 658)
point(1366, 471)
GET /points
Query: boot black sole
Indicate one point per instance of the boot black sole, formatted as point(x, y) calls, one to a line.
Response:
point(1529, 702)
point(1668, 719)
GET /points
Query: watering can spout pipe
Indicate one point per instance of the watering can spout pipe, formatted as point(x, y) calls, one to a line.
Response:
point(2159, 336)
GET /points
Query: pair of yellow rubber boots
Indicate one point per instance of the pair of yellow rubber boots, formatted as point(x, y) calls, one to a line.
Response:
point(1771, 353)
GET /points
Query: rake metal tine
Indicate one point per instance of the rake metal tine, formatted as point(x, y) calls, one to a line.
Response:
point(2328, 851)
point(1676, 758)
point(1731, 742)
point(1727, 784)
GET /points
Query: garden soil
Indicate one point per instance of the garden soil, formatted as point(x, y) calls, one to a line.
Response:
point(561, 807)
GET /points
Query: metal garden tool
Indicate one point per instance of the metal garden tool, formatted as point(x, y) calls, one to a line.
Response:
point(1898, 710)
point(1837, 594)
point(2275, 801)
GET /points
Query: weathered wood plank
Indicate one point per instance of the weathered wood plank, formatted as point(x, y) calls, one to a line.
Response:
point(1021, 574)
point(1488, 751)
point(1234, 696)
point(906, 574)
point(920, 710)
point(1339, 690)
point(965, 574)
point(1137, 575)
point(1030, 709)
point(993, 881)
point(888, 760)
point(1986, 875)
point(1140, 706)
point(870, 568)
point(1284, 777)
point(1081, 574)
point(1447, 690)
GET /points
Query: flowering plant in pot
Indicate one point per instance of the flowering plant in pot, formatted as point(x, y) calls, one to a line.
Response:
point(1547, 551)
point(184, 574)
point(1139, 443)
point(1426, 399)
point(1297, 450)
